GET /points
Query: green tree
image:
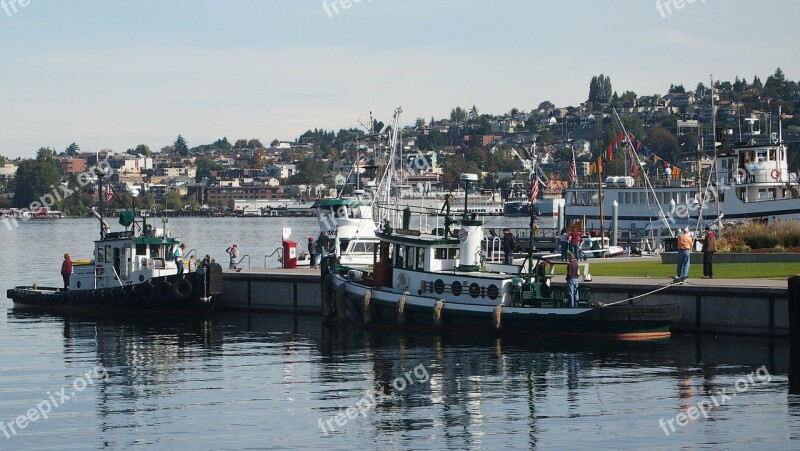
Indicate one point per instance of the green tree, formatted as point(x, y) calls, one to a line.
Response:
point(205, 165)
point(180, 146)
point(664, 144)
point(72, 150)
point(240, 144)
point(141, 149)
point(473, 113)
point(34, 179)
point(546, 105)
point(600, 90)
point(172, 200)
point(458, 114)
point(254, 144)
point(310, 172)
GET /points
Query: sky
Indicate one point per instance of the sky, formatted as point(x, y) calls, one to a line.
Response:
point(114, 74)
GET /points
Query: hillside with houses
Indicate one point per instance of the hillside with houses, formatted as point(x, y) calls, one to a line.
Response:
point(227, 177)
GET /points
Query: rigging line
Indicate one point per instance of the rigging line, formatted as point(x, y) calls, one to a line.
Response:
point(663, 216)
point(669, 285)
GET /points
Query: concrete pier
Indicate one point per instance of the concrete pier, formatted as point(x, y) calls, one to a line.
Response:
point(731, 306)
point(282, 290)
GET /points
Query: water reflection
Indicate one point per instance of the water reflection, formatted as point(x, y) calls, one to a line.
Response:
point(178, 376)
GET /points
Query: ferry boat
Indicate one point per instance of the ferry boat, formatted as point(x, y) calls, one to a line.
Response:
point(427, 279)
point(750, 181)
point(130, 269)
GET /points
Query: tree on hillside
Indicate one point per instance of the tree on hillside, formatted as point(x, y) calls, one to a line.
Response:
point(254, 144)
point(514, 111)
point(664, 144)
point(310, 172)
point(546, 105)
point(205, 165)
point(458, 114)
point(600, 90)
point(676, 89)
point(473, 113)
point(628, 97)
point(180, 146)
point(240, 144)
point(419, 122)
point(778, 86)
point(141, 149)
point(72, 150)
point(34, 179)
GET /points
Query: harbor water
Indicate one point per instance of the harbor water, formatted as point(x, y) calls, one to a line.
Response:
point(235, 380)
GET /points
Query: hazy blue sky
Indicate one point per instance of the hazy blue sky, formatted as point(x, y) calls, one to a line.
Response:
point(113, 74)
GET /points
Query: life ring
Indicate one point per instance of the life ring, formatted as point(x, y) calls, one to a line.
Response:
point(340, 292)
point(775, 174)
point(182, 289)
point(146, 293)
point(164, 291)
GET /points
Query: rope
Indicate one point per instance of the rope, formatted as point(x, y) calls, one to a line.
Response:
point(669, 285)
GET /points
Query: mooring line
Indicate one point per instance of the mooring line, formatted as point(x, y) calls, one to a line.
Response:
point(671, 284)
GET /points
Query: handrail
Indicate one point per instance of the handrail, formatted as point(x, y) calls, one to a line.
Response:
point(242, 259)
point(280, 258)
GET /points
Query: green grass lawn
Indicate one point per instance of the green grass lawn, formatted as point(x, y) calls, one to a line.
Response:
point(721, 270)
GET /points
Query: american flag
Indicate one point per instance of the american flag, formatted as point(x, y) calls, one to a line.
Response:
point(573, 173)
point(534, 190)
point(109, 194)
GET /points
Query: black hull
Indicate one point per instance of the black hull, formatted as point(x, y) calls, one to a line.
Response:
point(622, 323)
point(187, 292)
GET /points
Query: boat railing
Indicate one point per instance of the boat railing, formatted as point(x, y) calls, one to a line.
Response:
point(247, 256)
point(278, 251)
point(493, 246)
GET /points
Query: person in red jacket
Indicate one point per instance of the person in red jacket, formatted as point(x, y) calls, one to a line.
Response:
point(66, 271)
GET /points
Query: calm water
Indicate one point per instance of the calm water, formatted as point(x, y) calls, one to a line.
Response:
point(265, 381)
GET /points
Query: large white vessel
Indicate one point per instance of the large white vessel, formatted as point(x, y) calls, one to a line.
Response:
point(750, 181)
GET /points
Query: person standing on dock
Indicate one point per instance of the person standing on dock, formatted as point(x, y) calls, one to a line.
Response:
point(684, 254)
point(508, 246)
point(563, 244)
point(66, 271)
point(709, 247)
point(233, 253)
point(575, 242)
point(312, 252)
point(573, 277)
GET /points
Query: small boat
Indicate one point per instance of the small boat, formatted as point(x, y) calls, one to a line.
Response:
point(591, 248)
point(442, 281)
point(131, 269)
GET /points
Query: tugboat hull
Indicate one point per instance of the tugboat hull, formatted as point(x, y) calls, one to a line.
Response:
point(383, 309)
point(189, 292)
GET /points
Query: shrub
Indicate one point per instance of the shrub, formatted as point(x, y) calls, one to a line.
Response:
point(778, 248)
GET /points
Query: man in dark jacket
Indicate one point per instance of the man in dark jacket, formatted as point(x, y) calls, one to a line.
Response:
point(709, 247)
point(572, 280)
point(508, 246)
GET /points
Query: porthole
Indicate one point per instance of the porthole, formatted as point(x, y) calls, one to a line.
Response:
point(456, 288)
point(492, 292)
point(78, 285)
point(438, 286)
point(474, 290)
point(141, 278)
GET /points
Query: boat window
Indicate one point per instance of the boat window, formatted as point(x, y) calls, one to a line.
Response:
point(100, 254)
point(355, 213)
point(141, 249)
point(440, 253)
point(452, 253)
point(398, 256)
point(108, 253)
point(420, 258)
point(410, 253)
